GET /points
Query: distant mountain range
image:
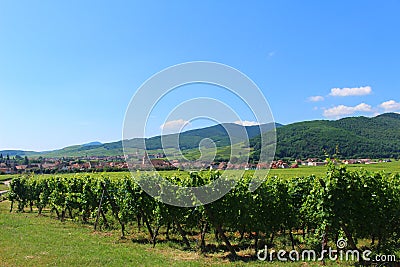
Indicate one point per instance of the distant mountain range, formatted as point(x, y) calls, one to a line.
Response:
point(353, 137)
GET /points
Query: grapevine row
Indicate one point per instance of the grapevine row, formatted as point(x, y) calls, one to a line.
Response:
point(350, 204)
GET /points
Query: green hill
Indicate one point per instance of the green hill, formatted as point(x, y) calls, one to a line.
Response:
point(187, 140)
point(222, 134)
point(355, 137)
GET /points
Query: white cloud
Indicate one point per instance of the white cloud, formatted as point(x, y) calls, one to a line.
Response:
point(355, 91)
point(174, 126)
point(343, 110)
point(316, 98)
point(390, 106)
point(247, 123)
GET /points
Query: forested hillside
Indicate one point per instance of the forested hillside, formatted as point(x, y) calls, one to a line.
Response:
point(355, 137)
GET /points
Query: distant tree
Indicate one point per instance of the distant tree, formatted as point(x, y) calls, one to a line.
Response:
point(8, 157)
point(26, 161)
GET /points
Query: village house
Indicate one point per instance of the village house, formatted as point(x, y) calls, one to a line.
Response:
point(314, 162)
point(5, 170)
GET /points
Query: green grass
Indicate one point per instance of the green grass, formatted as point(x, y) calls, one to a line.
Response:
point(391, 167)
point(31, 240)
point(3, 187)
point(6, 177)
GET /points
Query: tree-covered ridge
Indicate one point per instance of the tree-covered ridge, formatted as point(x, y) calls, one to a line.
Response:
point(354, 137)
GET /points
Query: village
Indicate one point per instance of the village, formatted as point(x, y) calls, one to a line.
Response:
point(157, 161)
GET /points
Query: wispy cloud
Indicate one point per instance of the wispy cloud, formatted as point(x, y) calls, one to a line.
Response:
point(355, 91)
point(174, 126)
point(390, 106)
point(316, 98)
point(247, 123)
point(342, 110)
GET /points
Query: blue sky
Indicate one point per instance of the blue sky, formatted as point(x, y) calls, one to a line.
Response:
point(68, 69)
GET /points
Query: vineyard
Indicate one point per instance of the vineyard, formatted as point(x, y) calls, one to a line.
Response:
point(310, 212)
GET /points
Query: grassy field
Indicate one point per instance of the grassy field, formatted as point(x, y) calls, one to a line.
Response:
point(3, 187)
point(6, 177)
point(391, 167)
point(31, 240)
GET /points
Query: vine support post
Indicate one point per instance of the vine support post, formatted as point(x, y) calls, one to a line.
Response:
point(98, 211)
point(12, 204)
